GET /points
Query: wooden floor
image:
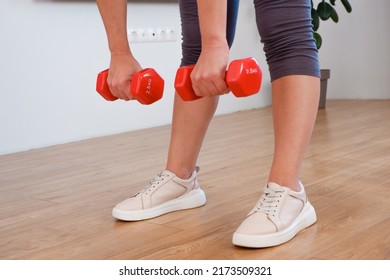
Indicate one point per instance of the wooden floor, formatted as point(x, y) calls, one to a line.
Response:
point(55, 203)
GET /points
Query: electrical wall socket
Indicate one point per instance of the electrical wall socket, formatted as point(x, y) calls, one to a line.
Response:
point(145, 35)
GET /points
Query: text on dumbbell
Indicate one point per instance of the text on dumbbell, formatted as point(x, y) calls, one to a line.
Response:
point(251, 70)
point(149, 86)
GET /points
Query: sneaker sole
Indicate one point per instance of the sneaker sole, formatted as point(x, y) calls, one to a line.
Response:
point(304, 220)
point(193, 199)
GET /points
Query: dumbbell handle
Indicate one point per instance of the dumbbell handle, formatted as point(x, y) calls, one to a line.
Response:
point(146, 86)
point(243, 78)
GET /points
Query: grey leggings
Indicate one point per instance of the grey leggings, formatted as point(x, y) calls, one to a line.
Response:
point(285, 29)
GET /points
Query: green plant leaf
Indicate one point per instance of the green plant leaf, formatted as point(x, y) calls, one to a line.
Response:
point(334, 16)
point(318, 39)
point(333, 2)
point(315, 19)
point(324, 10)
point(346, 5)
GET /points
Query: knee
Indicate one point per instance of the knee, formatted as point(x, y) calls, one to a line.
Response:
point(286, 32)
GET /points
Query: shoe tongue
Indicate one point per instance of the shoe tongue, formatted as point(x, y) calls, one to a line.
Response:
point(274, 186)
point(168, 173)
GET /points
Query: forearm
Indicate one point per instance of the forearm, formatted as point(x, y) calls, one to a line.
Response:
point(208, 76)
point(122, 64)
point(114, 15)
point(212, 21)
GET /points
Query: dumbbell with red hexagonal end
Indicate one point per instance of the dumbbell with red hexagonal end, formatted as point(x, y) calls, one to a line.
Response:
point(243, 78)
point(146, 86)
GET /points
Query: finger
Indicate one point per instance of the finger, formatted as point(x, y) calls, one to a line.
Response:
point(125, 96)
point(221, 87)
point(118, 93)
point(217, 88)
point(206, 88)
point(122, 91)
point(199, 91)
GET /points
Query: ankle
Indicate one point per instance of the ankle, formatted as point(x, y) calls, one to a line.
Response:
point(181, 172)
point(292, 184)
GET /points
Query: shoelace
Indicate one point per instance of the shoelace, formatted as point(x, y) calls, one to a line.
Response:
point(269, 201)
point(154, 182)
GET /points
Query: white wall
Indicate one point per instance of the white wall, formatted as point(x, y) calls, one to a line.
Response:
point(51, 51)
point(357, 50)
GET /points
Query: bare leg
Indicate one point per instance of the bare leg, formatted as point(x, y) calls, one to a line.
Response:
point(189, 125)
point(295, 103)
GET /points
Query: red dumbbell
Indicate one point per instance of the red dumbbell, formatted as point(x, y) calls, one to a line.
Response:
point(146, 86)
point(243, 77)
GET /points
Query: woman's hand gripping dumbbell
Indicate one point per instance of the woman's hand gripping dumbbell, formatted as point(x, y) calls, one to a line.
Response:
point(146, 86)
point(243, 77)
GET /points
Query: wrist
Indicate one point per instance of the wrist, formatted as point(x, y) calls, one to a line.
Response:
point(215, 46)
point(121, 53)
point(119, 47)
point(216, 40)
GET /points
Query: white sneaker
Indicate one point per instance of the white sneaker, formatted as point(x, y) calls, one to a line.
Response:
point(277, 217)
point(165, 193)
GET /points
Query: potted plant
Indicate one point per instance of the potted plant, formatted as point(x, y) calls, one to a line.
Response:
point(325, 10)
